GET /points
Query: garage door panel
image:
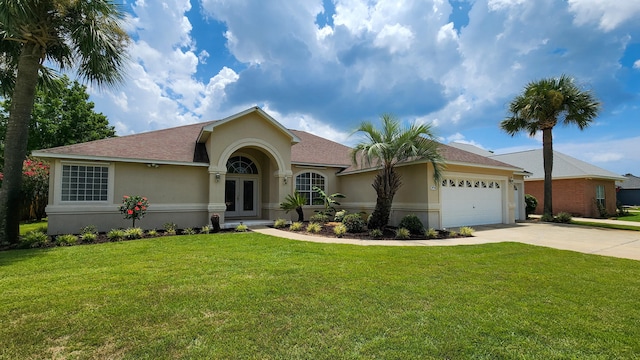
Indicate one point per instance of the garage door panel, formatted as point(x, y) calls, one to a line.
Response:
point(477, 204)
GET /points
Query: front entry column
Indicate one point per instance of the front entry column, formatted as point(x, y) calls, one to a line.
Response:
point(285, 186)
point(216, 193)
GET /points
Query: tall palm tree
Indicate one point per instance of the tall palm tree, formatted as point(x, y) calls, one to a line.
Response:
point(386, 148)
point(81, 35)
point(542, 105)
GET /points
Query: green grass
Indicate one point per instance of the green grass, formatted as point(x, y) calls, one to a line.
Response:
point(248, 295)
point(606, 225)
point(31, 226)
point(633, 216)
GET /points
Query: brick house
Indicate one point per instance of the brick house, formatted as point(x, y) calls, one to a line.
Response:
point(578, 187)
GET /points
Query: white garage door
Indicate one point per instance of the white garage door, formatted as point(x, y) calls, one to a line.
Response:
point(467, 201)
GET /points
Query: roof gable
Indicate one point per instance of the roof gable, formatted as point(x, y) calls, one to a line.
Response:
point(208, 129)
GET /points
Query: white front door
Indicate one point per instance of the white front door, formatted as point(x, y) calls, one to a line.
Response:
point(241, 196)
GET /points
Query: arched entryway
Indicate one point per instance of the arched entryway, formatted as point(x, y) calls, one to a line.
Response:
point(242, 190)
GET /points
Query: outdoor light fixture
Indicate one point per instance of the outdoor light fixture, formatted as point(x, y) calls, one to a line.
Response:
point(217, 177)
point(284, 180)
point(153, 165)
point(510, 180)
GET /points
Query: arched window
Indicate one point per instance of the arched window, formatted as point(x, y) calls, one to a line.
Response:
point(241, 165)
point(305, 183)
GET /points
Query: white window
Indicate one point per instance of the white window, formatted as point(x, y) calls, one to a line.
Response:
point(305, 183)
point(600, 195)
point(85, 183)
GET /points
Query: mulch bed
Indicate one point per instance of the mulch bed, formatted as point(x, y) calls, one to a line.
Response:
point(389, 233)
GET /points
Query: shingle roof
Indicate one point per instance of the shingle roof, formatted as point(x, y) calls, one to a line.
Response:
point(315, 150)
point(179, 145)
point(630, 182)
point(471, 148)
point(564, 166)
point(176, 144)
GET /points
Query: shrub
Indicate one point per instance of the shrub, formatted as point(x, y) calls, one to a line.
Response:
point(314, 227)
point(602, 210)
point(466, 231)
point(319, 218)
point(563, 217)
point(89, 229)
point(376, 233)
point(403, 233)
point(413, 224)
point(133, 233)
point(152, 232)
point(34, 239)
point(296, 226)
point(340, 230)
point(354, 223)
point(134, 207)
point(530, 204)
point(205, 229)
point(170, 228)
point(340, 215)
point(279, 223)
point(242, 228)
point(547, 218)
point(453, 233)
point(431, 233)
point(115, 235)
point(89, 237)
point(67, 239)
point(189, 231)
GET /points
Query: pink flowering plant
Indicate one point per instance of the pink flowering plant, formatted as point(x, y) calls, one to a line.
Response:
point(134, 207)
point(34, 191)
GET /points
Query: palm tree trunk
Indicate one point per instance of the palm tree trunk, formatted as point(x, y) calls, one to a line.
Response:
point(547, 156)
point(300, 213)
point(16, 141)
point(386, 184)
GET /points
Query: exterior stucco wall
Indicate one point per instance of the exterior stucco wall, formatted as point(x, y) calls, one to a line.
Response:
point(575, 196)
point(177, 194)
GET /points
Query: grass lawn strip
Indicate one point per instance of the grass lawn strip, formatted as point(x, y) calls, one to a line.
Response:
point(606, 225)
point(255, 296)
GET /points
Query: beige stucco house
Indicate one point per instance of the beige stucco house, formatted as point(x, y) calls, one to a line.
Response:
point(242, 167)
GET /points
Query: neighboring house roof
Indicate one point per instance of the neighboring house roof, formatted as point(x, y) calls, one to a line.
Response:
point(564, 166)
point(631, 182)
point(471, 148)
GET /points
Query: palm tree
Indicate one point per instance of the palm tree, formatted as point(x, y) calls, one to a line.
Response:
point(83, 35)
point(540, 107)
point(386, 148)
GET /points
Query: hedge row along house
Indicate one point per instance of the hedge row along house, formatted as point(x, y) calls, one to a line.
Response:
point(243, 167)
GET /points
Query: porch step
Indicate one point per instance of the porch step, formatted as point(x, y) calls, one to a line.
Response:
point(232, 224)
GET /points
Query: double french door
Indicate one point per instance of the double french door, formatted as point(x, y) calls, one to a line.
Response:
point(241, 196)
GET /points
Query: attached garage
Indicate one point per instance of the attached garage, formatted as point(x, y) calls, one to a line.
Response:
point(468, 201)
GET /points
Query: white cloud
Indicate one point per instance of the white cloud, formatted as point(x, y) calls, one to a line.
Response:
point(636, 64)
point(396, 38)
point(607, 14)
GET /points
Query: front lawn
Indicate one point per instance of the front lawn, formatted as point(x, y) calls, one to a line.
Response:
point(26, 227)
point(254, 296)
point(633, 216)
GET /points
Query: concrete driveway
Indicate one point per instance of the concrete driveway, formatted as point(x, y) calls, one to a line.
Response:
point(589, 240)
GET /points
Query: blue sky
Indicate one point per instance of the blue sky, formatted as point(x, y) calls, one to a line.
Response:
point(324, 66)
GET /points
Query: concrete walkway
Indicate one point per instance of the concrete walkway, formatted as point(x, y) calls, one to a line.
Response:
point(589, 240)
